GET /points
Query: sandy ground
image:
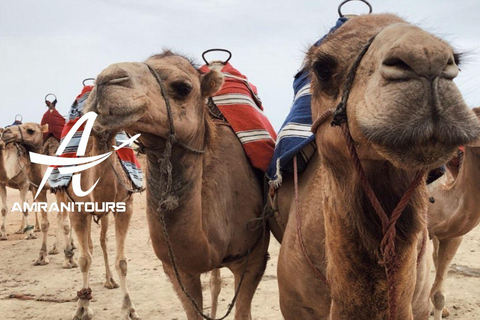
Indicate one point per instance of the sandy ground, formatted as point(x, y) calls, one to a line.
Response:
point(151, 291)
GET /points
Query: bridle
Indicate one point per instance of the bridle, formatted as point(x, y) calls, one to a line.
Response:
point(167, 201)
point(387, 245)
point(172, 138)
point(22, 140)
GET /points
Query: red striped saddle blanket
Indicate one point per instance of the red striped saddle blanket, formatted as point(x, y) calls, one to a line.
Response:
point(239, 103)
point(126, 155)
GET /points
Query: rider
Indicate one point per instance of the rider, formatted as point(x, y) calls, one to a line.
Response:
point(54, 120)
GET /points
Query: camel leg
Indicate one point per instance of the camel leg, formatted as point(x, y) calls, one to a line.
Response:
point(257, 262)
point(215, 287)
point(435, 251)
point(23, 225)
point(37, 222)
point(109, 282)
point(122, 221)
point(55, 249)
point(65, 225)
point(28, 228)
point(69, 262)
point(193, 285)
point(82, 224)
point(72, 243)
point(3, 195)
point(43, 257)
point(446, 251)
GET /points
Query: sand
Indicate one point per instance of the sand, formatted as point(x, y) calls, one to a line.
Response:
point(150, 290)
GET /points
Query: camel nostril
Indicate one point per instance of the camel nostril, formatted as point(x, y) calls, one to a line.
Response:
point(451, 70)
point(113, 76)
point(395, 62)
point(118, 80)
point(395, 68)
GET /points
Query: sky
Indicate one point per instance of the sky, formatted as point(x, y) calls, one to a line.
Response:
point(50, 46)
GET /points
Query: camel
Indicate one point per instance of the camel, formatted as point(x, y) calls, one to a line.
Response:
point(204, 192)
point(30, 136)
point(50, 146)
point(112, 187)
point(453, 214)
point(81, 221)
point(405, 116)
point(13, 173)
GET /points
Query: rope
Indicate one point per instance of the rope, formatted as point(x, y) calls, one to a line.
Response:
point(387, 245)
point(315, 270)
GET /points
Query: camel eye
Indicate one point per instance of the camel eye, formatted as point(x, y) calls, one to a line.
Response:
point(324, 67)
point(30, 131)
point(181, 88)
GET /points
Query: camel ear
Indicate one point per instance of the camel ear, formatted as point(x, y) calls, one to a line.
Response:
point(45, 128)
point(211, 83)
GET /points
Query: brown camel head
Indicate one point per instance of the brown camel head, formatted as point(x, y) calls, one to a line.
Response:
point(29, 133)
point(404, 106)
point(128, 96)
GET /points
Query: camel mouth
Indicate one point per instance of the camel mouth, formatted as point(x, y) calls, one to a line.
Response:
point(421, 147)
point(119, 116)
point(8, 137)
point(426, 156)
point(118, 107)
point(8, 140)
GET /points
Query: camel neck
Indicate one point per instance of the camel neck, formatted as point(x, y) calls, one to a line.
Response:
point(187, 172)
point(461, 198)
point(354, 234)
point(186, 221)
point(470, 169)
point(3, 171)
point(100, 145)
point(36, 171)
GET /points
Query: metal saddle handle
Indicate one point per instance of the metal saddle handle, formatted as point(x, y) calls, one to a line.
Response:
point(88, 79)
point(346, 1)
point(54, 102)
point(217, 49)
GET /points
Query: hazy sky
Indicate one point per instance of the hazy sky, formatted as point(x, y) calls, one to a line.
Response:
point(52, 45)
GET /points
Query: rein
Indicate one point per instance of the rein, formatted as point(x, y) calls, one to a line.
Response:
point(387, 244)
point(169, 202)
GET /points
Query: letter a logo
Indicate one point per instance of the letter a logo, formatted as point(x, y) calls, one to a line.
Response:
point(75, 165)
